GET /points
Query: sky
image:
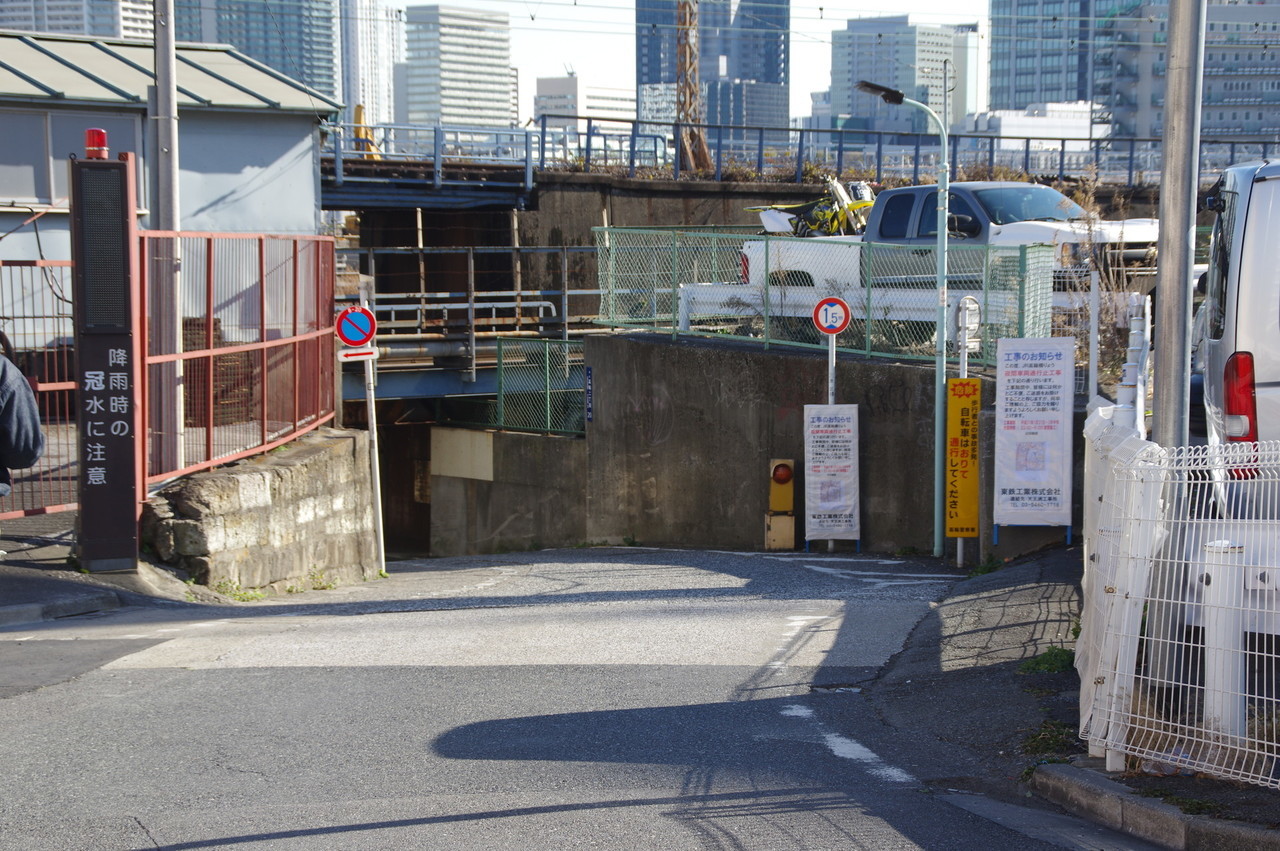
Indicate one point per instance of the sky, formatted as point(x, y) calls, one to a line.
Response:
point(596, 38)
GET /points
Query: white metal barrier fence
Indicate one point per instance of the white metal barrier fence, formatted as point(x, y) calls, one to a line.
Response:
point(1179, 650)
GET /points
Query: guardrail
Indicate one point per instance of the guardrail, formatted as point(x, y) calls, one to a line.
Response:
point(448, 305)
point(741, 152)
point(239, 343)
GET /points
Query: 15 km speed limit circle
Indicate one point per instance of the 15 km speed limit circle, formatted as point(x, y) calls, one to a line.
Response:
point(831, 315)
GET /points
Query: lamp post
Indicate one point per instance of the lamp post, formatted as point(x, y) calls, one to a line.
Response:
point(895, 97)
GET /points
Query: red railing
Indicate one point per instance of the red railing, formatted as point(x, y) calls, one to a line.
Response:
point(36, 320)
point(239, 343)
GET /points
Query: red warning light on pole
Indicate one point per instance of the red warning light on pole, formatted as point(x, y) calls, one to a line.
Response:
point(95, 144)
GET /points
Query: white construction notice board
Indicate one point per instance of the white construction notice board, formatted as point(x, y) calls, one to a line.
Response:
point(1035, 383)
point(831, 505)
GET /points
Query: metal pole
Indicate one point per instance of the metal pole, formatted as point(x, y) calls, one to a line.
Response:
point(940, 357)
point(831, 369)
point(375, 476)
point(831, 397)
point(962, 341)
point(166, 118)
point(168, 217)
point(1179, 181)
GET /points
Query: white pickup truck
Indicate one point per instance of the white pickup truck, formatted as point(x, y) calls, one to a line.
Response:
point(981, 213)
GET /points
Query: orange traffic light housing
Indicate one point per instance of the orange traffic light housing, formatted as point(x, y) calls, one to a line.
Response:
point(782, 486)
point(780, 519)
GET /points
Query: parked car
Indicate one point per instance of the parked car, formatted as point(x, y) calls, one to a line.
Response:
point(1238, 346)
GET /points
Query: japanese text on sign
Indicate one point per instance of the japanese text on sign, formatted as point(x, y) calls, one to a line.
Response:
point(964, 401)
point(108, 415)
point(1034, 399)
point(831, 500)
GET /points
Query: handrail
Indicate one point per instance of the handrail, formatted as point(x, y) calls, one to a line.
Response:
point(511, 156)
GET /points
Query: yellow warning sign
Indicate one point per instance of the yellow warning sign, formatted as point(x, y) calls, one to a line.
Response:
point(964, 400)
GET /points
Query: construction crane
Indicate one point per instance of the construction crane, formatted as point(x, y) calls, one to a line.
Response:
point(692, 144)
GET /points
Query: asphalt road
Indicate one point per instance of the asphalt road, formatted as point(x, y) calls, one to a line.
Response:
point(594, 698)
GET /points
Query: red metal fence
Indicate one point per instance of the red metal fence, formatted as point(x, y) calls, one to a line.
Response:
point(239, 342)
point(35, 317)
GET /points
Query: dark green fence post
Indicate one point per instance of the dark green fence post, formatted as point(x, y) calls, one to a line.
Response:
point(673, 308)
point(500, 387)
point(546, 385)
point(864, 276)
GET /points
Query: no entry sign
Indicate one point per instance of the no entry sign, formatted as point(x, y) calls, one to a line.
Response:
point(356, 326)
point(831, 315)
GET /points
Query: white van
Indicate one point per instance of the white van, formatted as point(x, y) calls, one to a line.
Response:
point(1240, 347)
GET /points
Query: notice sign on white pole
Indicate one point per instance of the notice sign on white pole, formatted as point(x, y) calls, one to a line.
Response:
point(831, 473)
point(1035, 382)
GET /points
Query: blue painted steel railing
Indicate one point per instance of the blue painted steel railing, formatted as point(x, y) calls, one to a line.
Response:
point(510, 156)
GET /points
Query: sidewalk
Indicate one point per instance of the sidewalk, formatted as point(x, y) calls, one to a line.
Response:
point(959, 681)
point(35, 581)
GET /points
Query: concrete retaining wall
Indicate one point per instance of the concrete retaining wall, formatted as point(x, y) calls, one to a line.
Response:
point(678, 452)
point(295, 518)
point(501, 491)
point(683, 434)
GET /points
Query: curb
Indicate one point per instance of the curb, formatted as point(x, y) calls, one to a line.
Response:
point(1088, 793)
point(80, 604)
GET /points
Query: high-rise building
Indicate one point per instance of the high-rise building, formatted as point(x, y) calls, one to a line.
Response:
point(1114, 54)
point(110, 18)
point(743, 49)
point(298, 38)
point(1241, 84)
point(1042, 51)
point(569, 96)
point(923, 60)
point(457, 68)
point(372, 39)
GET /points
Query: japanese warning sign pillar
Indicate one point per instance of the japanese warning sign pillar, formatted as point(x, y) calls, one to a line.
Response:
point(108, 359)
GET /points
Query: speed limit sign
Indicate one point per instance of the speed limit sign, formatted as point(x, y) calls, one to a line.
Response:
point(831, 315)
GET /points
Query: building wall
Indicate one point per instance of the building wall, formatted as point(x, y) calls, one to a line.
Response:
point(112, 18)
point(299, 38)
point(738, 43)
point(901, 54)
point(372, 39)
point(226, 186)
point(1117, 56)
point(570, 95)
point(1241, 90)
point(1041, 51)
point(499, 491)
point(458, 67)
point(271, 186)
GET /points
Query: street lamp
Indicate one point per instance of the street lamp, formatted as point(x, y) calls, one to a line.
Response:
point(895, 97)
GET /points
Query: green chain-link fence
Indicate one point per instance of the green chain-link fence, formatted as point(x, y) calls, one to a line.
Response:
point(540, 386)
point(765, 288)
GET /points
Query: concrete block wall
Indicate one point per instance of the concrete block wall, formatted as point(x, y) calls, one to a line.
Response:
point(296, 517)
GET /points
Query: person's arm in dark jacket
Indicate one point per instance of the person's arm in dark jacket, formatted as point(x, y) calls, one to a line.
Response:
point(21, 441)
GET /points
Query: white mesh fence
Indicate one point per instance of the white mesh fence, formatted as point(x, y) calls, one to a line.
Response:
point(1181, 629)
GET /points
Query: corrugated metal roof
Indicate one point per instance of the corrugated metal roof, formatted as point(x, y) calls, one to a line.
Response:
point(86, 70)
